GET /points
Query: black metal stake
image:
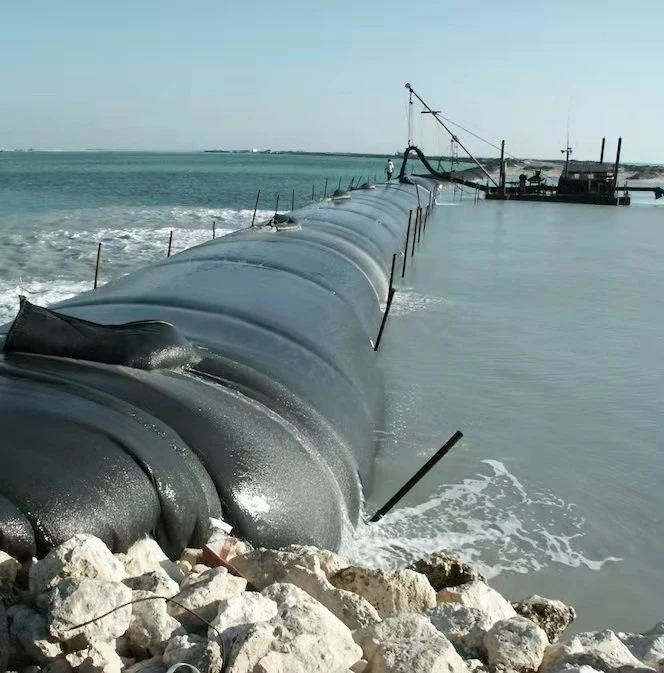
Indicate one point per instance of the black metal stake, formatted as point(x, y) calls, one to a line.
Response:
point(170, 244)
point(390, 296)
point(292, 201)
point(214, 229)
point(253, 219)
point(394, 263)
point(97, 265)
point(416, 477)
point(312, 191)
point(405, 250)
point(419, 231)
point(417, 222)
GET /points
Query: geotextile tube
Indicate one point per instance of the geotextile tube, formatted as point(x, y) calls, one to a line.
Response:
point(236, 379)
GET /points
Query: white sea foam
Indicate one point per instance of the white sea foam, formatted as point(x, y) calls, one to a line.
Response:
point(491, 520)
point(52, 257)
point(407, 300)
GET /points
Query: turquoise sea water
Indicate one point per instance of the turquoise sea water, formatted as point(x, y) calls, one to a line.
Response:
point(538, 330)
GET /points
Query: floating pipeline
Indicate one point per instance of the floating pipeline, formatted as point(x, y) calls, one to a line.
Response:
point(235, 379)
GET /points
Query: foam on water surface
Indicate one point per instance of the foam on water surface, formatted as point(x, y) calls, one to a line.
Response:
point(491, 520)
point(52, 257)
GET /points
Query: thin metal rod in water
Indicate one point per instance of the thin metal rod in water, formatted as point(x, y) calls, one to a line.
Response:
point(416, 477)
point(292, 200)
point(97, 265)
point(417, 222)
point(394, 263)
point(390, 296)
point(253, 219)
point(170, 244)
point(419, 232)
point(276, 205)
point(214, 229)
point(405, 250)
point(313, 187)
point(325, 190)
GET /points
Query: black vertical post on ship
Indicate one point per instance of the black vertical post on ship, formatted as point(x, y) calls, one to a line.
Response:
point(501, 179)
point(97, 265)
point(615, 170)
point(405, 250)
point(253, 219)
point(170, 244)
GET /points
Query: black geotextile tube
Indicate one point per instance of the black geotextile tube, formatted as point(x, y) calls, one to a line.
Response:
point(270, 423)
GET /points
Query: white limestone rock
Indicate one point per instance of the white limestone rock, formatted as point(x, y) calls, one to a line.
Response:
point(480, 596)
point(601, 650)
point(29, 629)
point(408, 643)
point(236, 615)
point(204, 595)
point(100, 658)
point(9, 568)
point(196, 651)
point(515, 643)
point(551, 615)
point(74, 601)
point(156, 581)
point(463, 626)
point(82, 557)
point(263, 567)
point(146, 556)
point(227, 547)
point(151, 627)
point(192, 556)
point(389, 592)
point(397, 628)
point(217, 528)
point(476, 666)
point(647, 647)
point(304, 637)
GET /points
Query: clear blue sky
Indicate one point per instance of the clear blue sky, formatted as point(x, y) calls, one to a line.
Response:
point(171, 74)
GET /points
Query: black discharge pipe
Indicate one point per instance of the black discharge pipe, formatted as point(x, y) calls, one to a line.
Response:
point(417, 477)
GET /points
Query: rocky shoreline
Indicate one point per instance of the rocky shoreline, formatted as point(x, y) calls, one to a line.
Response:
point(228, 608)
